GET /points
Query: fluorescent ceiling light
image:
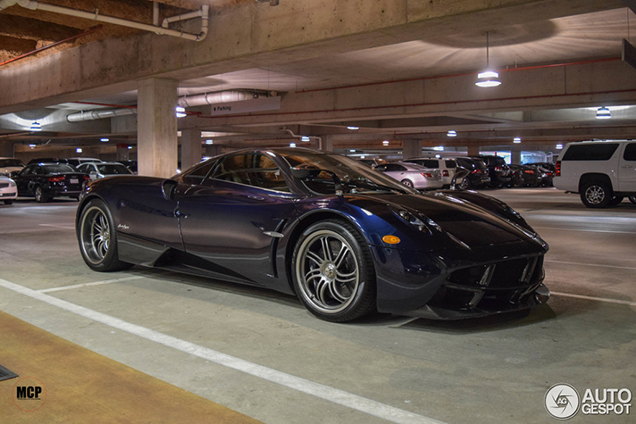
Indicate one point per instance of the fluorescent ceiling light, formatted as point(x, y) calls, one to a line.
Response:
point(516, 140)
point(385, 142)
point(104, 140)
point(304, 138)
point(180, 111)
point(559, 146)
point(35, 126)
point(451, 133)
point(209, 141)
point(353, 128)
point(292, 144)
point(603, 113)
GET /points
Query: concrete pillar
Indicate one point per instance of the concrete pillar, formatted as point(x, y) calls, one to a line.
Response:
point(473, 150)
point(123, 153)
point(327, 143)
point(191, 149)
point(515, 156)
point(411, 149)
point(157, 148)
point(6, 148)
point(212, 150)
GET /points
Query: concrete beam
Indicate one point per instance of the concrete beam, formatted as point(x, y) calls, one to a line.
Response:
point(249, 35)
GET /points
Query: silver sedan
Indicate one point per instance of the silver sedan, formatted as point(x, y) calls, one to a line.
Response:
point(412, 175)
point(8, 190)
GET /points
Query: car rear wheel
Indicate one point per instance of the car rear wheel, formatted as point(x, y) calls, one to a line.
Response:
point(632, 199)
point(97, 239)
point(40, 196)
point(333, 272)
point(407, 183)
point(596, 194)
point(465, 184)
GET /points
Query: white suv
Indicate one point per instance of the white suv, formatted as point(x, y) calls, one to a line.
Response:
point(602, 172)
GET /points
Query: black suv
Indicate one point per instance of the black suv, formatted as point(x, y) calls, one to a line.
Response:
point(478, 173)
point(498, 170)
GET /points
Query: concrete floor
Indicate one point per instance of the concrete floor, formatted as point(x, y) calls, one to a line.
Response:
point(262, 354)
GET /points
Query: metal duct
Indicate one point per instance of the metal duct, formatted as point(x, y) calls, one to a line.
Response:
point(218, 97)
point(92, 115)
point(35, 5)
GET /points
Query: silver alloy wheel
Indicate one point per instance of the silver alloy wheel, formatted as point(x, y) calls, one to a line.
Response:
point(595, 194)
point(328, 271)
point(95, 235)
point(39, 195)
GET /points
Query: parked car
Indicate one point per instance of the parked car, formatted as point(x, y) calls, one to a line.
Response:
point(547, 173)
point(78, 161)
point(48, 160)
point(524, 175)
point(9, 165)
point(46, 181)
point(602, 172)
point(373, 162)
point(98, 170)
point(445, 166)
point(478, 173)
point(8, 190)
point(498, 170)
point(412, 175)
point(130, 164)
point(345, 239)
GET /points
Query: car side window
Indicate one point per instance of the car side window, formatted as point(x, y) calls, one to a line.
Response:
point(253, 169)
point(394, 168)
point(381, 167)
point(197, 175)
point(630, 152)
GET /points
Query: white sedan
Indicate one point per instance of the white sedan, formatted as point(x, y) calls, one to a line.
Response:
point(8, 190)
point(412, 175)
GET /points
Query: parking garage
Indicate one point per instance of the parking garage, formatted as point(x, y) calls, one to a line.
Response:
point(388, 80)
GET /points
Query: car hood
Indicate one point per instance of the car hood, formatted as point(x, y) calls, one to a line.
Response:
point(466, 223)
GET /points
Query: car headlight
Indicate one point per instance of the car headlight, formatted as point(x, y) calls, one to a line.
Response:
point(422, 223)
point(11, 183)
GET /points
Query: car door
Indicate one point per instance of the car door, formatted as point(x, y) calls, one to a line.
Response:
point(627, 169)
point(234, 218)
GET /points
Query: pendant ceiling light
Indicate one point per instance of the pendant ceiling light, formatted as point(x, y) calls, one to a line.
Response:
point(488, 77)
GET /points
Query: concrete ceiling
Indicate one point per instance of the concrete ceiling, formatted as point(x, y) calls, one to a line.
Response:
point(400, 83)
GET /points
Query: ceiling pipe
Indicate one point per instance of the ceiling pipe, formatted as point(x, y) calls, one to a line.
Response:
point(185, 101)
point(287, 130)
point(35, 5)
point(218, 97)
point(92, 115)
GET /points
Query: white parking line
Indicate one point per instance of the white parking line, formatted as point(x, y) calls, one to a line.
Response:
point(64, 226)
point(96, 283)
point(583, 230)
point(598, 299)
point(318, 390)
point(585, 264)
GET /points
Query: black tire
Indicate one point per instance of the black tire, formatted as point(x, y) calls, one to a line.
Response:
point(615, 200)
point(596, 194)
point(40, 196)
point(8, 202)
point(465, 184)
point(632, 199)
point(407, 183)
point(333, 272)
point(97, 238)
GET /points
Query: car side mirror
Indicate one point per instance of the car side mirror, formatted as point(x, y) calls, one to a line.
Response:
point(168, 188)
point(309, 172)
point(305, 172)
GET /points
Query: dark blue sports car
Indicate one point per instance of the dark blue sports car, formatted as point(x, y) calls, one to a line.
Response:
point(344, 238)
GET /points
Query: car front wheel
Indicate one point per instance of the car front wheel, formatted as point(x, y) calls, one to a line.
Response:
point(97, 239)
point(333, 272)
point(596, 194)
point(407, 183)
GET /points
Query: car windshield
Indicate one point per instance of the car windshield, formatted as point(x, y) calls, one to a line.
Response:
point(10, 162)
point(113, 169)
point(58, 169)
point(355, 176)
